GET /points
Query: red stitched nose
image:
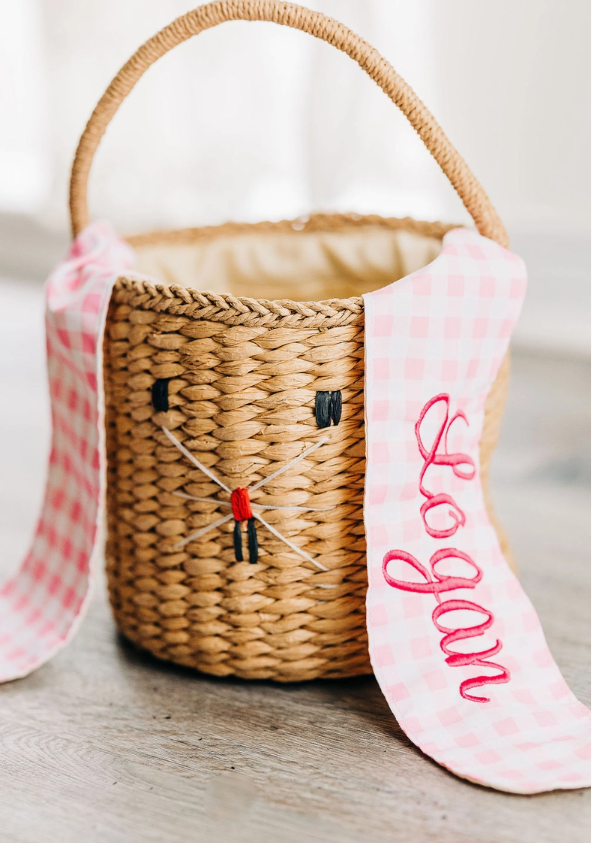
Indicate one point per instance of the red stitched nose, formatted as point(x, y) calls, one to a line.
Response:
point(241, 504)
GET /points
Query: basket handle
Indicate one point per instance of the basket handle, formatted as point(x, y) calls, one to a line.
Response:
point(204, 17)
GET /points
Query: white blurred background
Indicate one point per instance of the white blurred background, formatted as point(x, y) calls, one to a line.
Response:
point(254, 121)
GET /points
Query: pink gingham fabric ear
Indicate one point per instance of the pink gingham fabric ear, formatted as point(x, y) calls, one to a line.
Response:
point(41, 606)
point(455, 643)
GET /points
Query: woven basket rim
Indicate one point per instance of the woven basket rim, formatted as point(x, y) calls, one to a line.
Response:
point(146, 294)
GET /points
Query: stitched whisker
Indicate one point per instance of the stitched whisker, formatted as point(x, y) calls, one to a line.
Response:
point(202, 532)
point(289, 465)
point(257, 505)
point(261, 483)
point(294, 547)
point(297, 508)
point(190, 457)
point(201, 500)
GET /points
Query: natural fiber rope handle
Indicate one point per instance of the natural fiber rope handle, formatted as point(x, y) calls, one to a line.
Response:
point(205, 17)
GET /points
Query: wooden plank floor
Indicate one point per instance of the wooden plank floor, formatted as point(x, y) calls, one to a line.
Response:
point(106, 744)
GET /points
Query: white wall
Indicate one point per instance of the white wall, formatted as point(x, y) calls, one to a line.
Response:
point(254, 121)
point(514, 94)
point(509, 81)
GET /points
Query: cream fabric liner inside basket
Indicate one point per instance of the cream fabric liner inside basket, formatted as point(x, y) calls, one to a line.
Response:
point(298, 265)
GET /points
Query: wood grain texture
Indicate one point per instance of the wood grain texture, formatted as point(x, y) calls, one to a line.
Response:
point(107, 744)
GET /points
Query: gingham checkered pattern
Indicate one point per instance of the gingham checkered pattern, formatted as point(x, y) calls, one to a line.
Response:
point(445, 329)
point(41, 606)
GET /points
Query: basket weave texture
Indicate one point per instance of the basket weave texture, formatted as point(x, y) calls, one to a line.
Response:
point(244, 374)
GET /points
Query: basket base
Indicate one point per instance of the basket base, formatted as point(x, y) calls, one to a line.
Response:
point(303, 671)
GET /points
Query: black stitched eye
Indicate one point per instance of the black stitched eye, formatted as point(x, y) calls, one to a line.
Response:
point(160, 395)
point(328, 408)
point(323, 408)
point(336, 406)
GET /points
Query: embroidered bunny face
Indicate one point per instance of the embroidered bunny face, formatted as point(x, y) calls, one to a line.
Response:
point(205, 415)
point(303, 420)
point(328, 409)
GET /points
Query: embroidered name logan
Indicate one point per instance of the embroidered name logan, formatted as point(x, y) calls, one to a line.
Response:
point(435, 581)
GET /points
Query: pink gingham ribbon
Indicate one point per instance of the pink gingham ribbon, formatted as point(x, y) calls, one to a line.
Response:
point(455, 643)
point(41, 606)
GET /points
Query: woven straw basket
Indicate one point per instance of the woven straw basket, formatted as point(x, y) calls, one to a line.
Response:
point(234, 375)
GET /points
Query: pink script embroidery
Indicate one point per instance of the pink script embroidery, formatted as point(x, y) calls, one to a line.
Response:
point(437, 583)
point(432, 457)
